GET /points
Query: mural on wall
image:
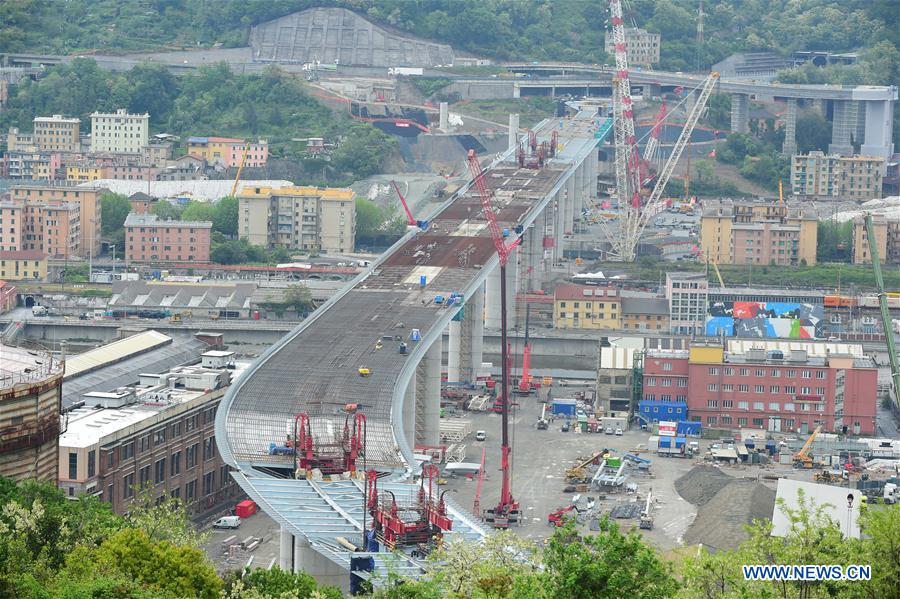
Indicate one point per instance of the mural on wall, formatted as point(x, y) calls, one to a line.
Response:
point(765, 319)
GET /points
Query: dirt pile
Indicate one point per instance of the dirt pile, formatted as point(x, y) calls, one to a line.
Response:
point(720, 522)
point(701, 484)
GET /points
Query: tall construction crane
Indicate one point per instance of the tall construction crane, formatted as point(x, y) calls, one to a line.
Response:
point(653, 142)
point(525, 380)
point(422, 224)
point(885, 315)
point(507, 510)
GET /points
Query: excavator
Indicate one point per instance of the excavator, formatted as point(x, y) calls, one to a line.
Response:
point(646, 521)
point(802, 458)
point(578, 472)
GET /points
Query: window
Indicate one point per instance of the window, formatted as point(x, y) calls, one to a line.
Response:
point(745, 372)
point(805, 390)
point(775, 389)
point(667, 366)
point(209, 448)
point(820, 374)
point(110, 458)
point(759, 389)
point(176, 430)
point(757, 422)
point(713, 371)
point(650, 381)
point(128, 451)
point(128, 486)
point(788, 423)
point(790, 373)
point(682, 382)
point(788, 407)
point(209, 480)
point(742, 422)
point(776, 373)
point(159, 474)
point(190, 490)
point(73, 465)
point(727, 387)
point(743, 388)
point(710, 421)
point(758, 405)
point(790, 389)
point(92, 463)
point(729, 372)
point(191, 456)
point(726, 420)
point(820, 391)
point(144, 477)
point(159, 436)
point(666, 382)
point(760, 372)
point(712, 403)
point(727, 403)
point(145, 443)
point(806, 374)
point(190, 423)
point(773, 405)
point(712, 387)
point(175, 464)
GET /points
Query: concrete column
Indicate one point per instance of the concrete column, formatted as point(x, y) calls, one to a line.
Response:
point(473, 337)
point(431, 401)
point(559, 225)
point(286, 552)
point(740, 113)
point(790, 128)
point(454, 341)
point(492, 300)
point(512, 286)
point(580, 193)
point(571, 202)
point(409, 412)
point(444, 116)
point(879, 129)
point(842, 127)
point(325, 571)
point(513, 130)
point(859, 134)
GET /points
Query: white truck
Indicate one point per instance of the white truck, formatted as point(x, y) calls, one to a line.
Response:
point(227, 522)
point(891, 493)
point(39, 311)
point(407, 71)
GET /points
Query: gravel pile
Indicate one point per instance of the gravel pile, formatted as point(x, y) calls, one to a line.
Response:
point(720, 521)
point(701, 483)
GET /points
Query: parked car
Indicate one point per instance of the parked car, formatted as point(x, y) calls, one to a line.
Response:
point(609, 430)
point(227, 522)
point(565, 427)
point(619, 432)
point(480, 435)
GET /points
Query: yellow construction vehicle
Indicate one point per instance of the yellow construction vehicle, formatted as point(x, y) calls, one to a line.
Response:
point(802, 458)
point(826, 476)
point(579, 471)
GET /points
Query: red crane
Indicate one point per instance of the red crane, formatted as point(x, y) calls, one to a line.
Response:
point(507, 509)
point(422, 224)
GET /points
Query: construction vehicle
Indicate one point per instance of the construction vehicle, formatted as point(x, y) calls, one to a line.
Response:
point(646, 521)
point(802, 458)
point(826, 476)
point(579, 471)
point(885, 314)
point(364, 371)
point(891, 493)
point(525, 386)
point(412, 222)
point(542, 423)
point(558, 517)
point(506, 511)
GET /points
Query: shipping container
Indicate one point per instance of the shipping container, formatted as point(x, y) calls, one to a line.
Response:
point(245, 508)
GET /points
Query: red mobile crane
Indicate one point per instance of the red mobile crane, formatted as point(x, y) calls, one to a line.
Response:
point(525, 386)
point(507, 510)
point(422, 224)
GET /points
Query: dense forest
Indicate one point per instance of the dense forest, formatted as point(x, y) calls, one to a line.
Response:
point(526, 29)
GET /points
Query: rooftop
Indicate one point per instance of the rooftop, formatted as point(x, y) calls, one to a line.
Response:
point(203, 140)
point(305, 191)
point(114, 352)
point(56, 118)
point(22, 255)
point(20, 365)
point(199, 190)
point(135, 219)
point(585, 292)
point(645, 305)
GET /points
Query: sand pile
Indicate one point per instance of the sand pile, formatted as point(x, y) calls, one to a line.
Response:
point(701, 484)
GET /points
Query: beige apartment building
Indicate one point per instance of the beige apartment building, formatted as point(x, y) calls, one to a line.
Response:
point(87, 198)
point(298, 218)
point(832, 176)
point(641, 45)
point(887, 239)
point(57, 133)
point(52, 228)
point(119, 132)
point(758, 232)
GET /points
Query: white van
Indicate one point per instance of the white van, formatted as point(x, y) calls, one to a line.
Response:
point(227, 522)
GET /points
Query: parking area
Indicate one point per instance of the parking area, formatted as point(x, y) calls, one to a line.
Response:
point(234, 554)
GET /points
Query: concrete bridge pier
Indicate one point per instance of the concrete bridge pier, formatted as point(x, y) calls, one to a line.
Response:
point(879, 129)
point(454, 354)
point(306, 559)
point(740, 113)
point(571, 202)
point(513, 140)
point(559, 225)
point(409, 412)
point(843, 125)
point(472, 337)
point(790, 128)
point(492, 300)
point(428, 396)
point(580, 193)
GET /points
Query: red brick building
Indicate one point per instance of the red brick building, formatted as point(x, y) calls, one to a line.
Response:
point(148, 239)
point(768, 384)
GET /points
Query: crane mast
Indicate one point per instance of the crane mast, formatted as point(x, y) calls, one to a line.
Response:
point(882, 303)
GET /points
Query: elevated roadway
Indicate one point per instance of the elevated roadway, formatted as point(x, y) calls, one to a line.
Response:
point(314, 369)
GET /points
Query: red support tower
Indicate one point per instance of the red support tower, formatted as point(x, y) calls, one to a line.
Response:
point(554, 143)
point(334, 456)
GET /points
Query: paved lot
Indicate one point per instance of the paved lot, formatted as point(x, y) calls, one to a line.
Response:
point(259, 526)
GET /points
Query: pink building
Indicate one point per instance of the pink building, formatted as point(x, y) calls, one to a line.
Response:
point(228, 151)
point(51, 227)
point(763, 384)
point(148, 239)
point(130, 172)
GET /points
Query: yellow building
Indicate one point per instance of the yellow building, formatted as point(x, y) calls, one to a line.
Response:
point(298, 218)
point(819, 175)
point(887, 238)
point(23, 266)
point(586, 307)
point(758, 232)
point(83, 173)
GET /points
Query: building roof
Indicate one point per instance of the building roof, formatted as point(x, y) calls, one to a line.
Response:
point(21, 365)
point(305, 191)
point(114, 352)
point(135, 219)
point(645, 305)
point(585, 292)
point(199, 190)
point(203, 140)
point(140, 196)
point(22, 255)
point(181, 296)
point(56, 118)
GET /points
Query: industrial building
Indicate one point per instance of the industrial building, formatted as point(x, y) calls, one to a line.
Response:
point(780, 386)
point(189, 300)
point(30, 403)
point(641, 45)
point(151, 240)
point(119, 132)
point(764, 232)
point(155, 435)
point(817, 175)
point(298, 218)
point(87, 198)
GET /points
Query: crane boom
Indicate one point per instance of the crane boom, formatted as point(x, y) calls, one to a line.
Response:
point(627, 161)
point(885, 314)
point(653, 142)
point(237, 177)
point(409, 216)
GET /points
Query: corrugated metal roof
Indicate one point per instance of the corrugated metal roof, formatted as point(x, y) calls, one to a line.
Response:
point(114, 352)
point(620, 358)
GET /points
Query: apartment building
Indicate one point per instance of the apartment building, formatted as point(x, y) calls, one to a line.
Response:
point(761, 231)
point(57, 133)
point(688, 296)
point(18, 141)
point(298, 218)
point(229, 152)
point(119, 132)
point(645, 313)
point(157, 436)
point(23, 265)
point(887, 239)
point(149, 239)
point(84, 171)
point(51, 228)
point(774, 385)
point(32, 166)
point(817, 175)
point(88, 199)
point(586, 307)
point(641, 45)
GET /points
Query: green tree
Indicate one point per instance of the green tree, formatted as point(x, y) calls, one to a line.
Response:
point(362, 151)
point(167, 210)
point(114, 208)
point(194, 210)
point(299, 297)
point(229, 252)
point(225, 218)
point(834, 241)
point(813, 132)
point(369, 218)
point(165, 521)
point(275, 583)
